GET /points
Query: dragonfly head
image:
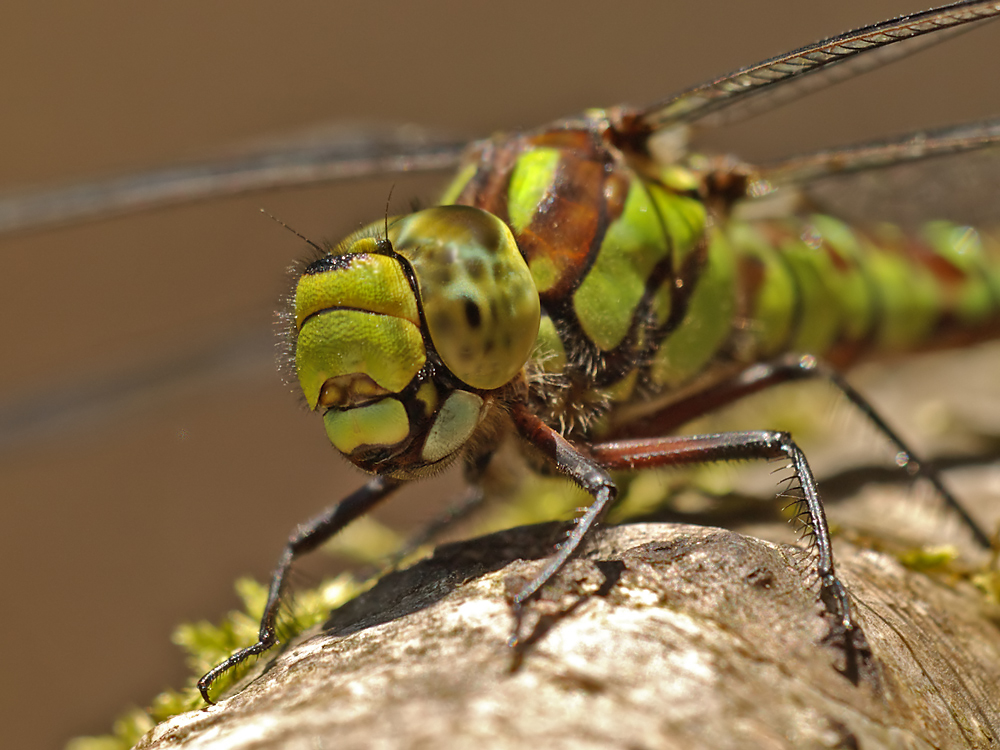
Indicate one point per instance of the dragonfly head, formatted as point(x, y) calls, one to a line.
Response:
point(406, 339)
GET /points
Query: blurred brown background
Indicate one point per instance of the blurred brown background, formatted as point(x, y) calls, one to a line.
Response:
point(117, 526)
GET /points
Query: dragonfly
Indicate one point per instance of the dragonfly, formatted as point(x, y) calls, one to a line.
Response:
point(446, 152)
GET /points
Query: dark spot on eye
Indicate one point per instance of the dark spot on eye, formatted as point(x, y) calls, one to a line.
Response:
point(482, 229)
point(488, 346)
point(472, 314)
point(441, 324)
point(476, 269)
point(442, 275)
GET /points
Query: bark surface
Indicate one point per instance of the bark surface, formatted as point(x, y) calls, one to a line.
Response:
point(657, 636)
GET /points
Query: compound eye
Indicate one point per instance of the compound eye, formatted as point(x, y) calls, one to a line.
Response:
point(478, 296)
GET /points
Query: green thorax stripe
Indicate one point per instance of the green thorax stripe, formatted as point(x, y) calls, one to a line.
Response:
point(634, 276)
point(604, 246)
point(644, 291)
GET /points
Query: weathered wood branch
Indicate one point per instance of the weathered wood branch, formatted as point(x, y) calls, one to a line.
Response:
point(659, 636)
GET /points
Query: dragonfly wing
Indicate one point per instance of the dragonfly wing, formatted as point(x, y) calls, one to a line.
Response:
point(343, 153)
point(951, 173)
point(765, 85)
point(911, 147)
point(239, 354)
point(960, 188)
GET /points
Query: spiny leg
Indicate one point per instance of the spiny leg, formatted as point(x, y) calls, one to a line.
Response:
point(465, 507)
point(788, 369)
point(757, 444)
point(582, 470)
point(476, 465)
point(306, 538)
point(590, 473)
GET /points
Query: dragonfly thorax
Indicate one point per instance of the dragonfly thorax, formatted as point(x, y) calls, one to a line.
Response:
point(406, 336)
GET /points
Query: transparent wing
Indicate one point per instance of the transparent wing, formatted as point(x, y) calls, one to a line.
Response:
point(338, 154)
point(241, 353)
point(765, 85)
point(331, 154)
point(911, 147)
point(951, 173)
point(961, 188)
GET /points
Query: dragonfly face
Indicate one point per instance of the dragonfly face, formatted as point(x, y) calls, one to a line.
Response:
point(135, 505)
point(403, 338)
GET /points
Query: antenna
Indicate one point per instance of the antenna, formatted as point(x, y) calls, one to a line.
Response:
point(297, 234)
point(387, 200)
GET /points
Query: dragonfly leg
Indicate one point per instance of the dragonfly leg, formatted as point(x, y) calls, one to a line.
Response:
point(468, 504)
point(786, 369)
point(306, 538)
point(758, 444)
point(582, 470)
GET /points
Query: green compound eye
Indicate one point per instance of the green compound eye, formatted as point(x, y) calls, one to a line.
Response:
point(479, 300)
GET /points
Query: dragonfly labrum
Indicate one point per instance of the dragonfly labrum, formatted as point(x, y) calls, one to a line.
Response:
point(593, 285)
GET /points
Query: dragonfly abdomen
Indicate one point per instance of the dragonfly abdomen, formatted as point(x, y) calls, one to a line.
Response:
point(819, 286)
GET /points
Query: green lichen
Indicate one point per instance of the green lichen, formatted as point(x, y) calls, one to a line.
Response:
point(930, 559)
point(988, 582)
point(207, 644)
